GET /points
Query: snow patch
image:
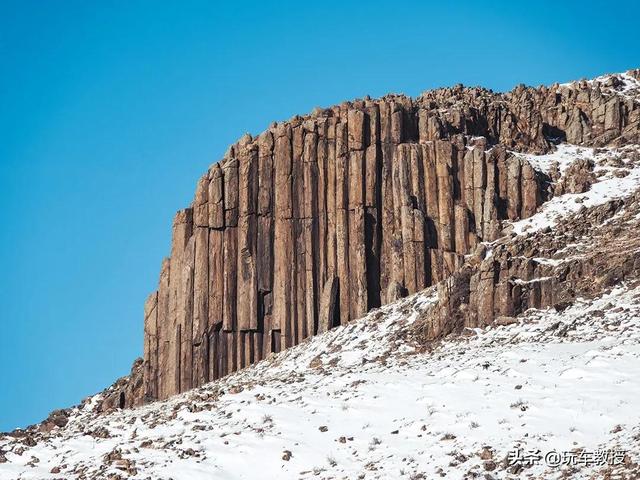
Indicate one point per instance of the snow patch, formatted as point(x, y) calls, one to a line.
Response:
point(612, 182)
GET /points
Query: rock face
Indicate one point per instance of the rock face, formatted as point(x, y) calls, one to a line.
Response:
point(583, 256)
point(321, 218)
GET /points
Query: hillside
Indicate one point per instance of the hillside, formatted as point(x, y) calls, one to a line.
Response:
point(368, 401)
point(446, 286)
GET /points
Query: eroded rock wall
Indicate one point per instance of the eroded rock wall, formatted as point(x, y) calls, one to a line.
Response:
point(321, 218)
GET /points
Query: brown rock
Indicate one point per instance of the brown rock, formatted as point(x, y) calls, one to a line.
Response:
point(503, 320)
point(328, 304)
point(335, 213)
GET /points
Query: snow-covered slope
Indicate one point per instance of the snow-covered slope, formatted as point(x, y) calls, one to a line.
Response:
point(365, 401)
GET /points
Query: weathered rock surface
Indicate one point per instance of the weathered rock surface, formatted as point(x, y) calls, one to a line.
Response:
point(586, 254)
point(124, 392)
point(319, 219)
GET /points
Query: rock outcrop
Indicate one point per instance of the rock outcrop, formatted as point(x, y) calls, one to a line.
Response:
point(583, 255)
point(323, 217)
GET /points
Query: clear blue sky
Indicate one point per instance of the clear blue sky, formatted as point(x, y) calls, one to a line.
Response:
point(109, 112)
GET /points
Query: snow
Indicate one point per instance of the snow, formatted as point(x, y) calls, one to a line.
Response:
point(547, 261)
point(617, 177)
point(564, 155)
point(629, 87)
point(365, 401)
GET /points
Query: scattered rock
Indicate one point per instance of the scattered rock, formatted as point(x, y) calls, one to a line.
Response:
point(486, 453)
point(504, 320)
point(100, 432)
point(29, 441)
point(489, 465)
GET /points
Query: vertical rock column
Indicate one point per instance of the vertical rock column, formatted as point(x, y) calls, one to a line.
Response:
point(199, 332)
point(230, 249)
point(150, 349)
point(358, 297)
point(247, 299)
point(309, 223)
point(265, 244)
point(185, 320)
point(170, 350)
point(342, 220)
point(372, 203)
point(283, 251)
point(162, 330)
point(215, 210)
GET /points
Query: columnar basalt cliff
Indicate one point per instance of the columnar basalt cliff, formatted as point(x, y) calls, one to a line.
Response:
point(323, 217)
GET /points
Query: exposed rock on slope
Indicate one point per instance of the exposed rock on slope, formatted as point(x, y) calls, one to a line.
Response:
point(577, 245)
point(321, 218)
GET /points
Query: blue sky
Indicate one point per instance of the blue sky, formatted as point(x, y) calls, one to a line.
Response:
point(109, 112)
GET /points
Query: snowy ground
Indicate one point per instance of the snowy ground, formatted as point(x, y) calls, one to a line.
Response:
point(362, 401)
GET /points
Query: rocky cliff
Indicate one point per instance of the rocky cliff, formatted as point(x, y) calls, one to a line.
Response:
point(319, 219)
